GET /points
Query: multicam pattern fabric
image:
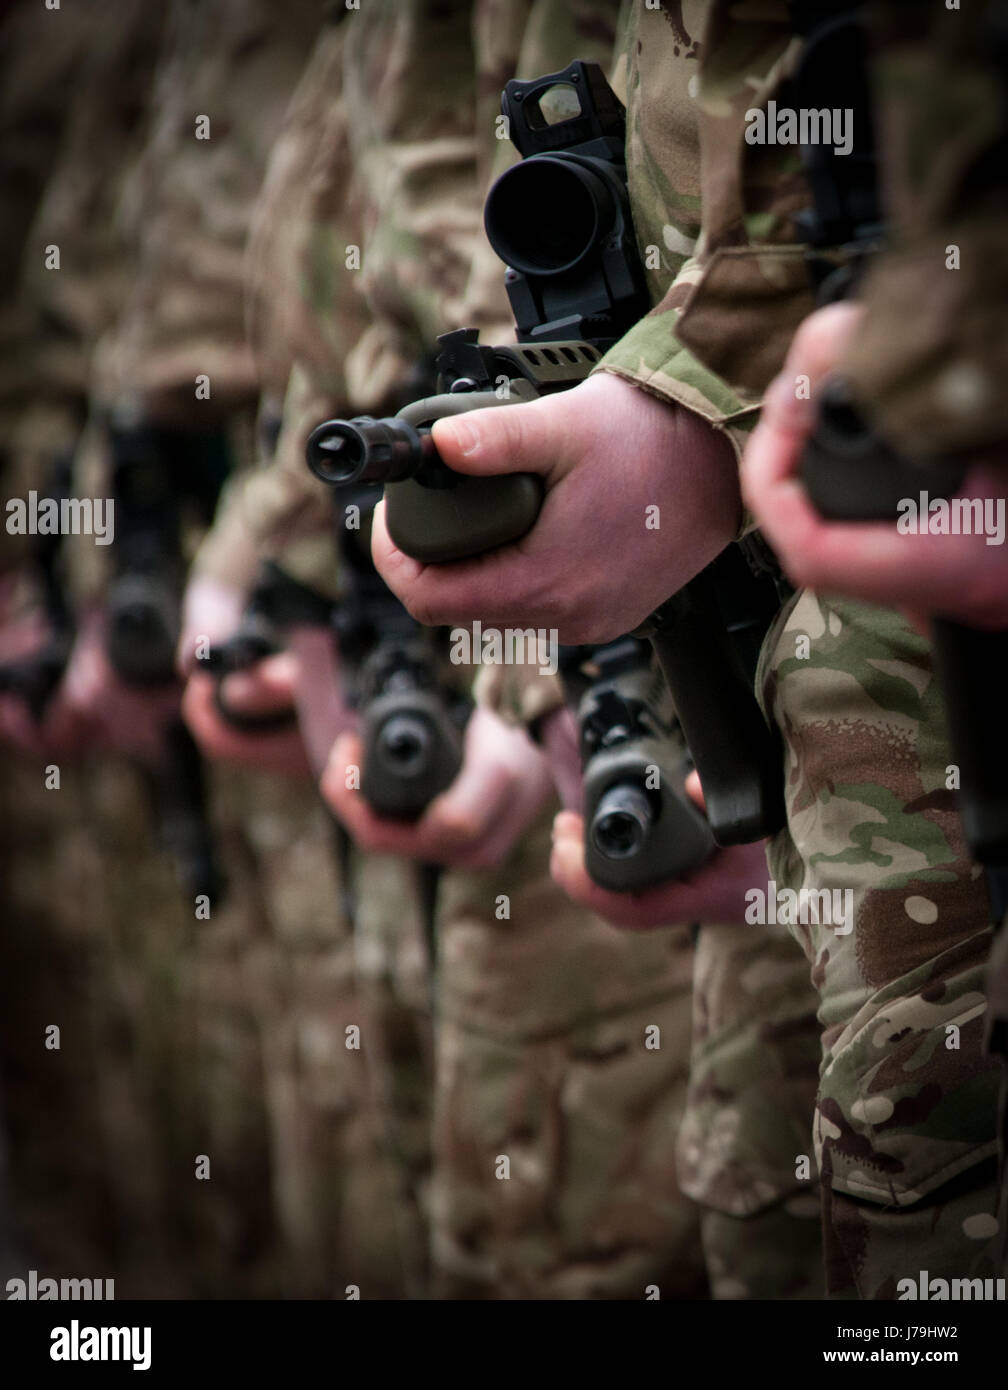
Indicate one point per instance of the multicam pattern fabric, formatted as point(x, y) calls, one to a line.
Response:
point(227, 1037)
point(540, 1015)
point(382, 241)
point(562, 1049)
point(226, 75)
point(900, 1112)
point(928, 366)
point(907, 1098)
point(74, 87)
point(730, 288)
point(748, 1120)
point(43, 56)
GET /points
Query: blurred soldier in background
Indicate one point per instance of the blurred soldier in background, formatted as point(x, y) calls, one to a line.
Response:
point(541, 1011)
point(84, 79)
point(179, 1038)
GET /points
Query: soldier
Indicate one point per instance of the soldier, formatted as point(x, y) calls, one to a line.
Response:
point(905, 1180)
point(922, 378)
point(745, 1137)
point(333, 1214)
point(79, 81)
point(294, 1202)
point(542, 1012)
point(305, 217)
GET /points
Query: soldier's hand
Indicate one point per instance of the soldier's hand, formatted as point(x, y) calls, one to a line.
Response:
point(503, 783)
point(715, 892)
point(595, 564)
point(322, 707)
point(211, 611)
point(60, 730)
point(558, 738)
point(264, 691)
point(957, 576)
point(120, 718)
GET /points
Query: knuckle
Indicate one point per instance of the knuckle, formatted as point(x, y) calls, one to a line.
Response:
point(512, 432)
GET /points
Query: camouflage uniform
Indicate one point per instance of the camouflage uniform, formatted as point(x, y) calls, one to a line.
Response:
point(299, 1199)
point(77, 83)
point(44, 54)
point(543, 1057)
point(941, 83)
point(904, 1128)
point(940, 87)
point(36, 65)
point(339, 1201)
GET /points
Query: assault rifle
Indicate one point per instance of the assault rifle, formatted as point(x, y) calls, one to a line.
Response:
point(560, 220)
point(155, 470)
point(412, 721)
point(640, 827)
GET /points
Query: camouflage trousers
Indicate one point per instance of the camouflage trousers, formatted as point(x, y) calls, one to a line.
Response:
point(562, 1052)
point(905, 1125)
point(237, 1106)
point(748, 1121)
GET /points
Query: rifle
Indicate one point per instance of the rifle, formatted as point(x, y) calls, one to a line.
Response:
point(275, 603)
point(851, 474)
point(412, 722)
point(154, 470)
point(576, 284)
point(640, 827)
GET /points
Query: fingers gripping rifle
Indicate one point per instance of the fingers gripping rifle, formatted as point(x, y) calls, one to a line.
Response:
point(412, 721)
point(432, 513)
point(627, 849)
point(275, 604)
point(560, 220)
point(154, 471)
point(851, 474)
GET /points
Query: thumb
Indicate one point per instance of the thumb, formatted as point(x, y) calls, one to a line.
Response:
point(528, 437)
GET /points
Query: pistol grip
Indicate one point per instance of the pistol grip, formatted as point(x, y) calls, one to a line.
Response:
point(738, 756)
point(850, 474)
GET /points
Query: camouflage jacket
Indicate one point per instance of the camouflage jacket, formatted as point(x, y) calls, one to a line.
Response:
point(928, 359)
point(729, 293)
point(712, 214)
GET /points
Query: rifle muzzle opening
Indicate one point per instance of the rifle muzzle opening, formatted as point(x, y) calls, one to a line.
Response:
point(142, 631)
point(622, 822)
point(363, 450)
point(404, 744)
